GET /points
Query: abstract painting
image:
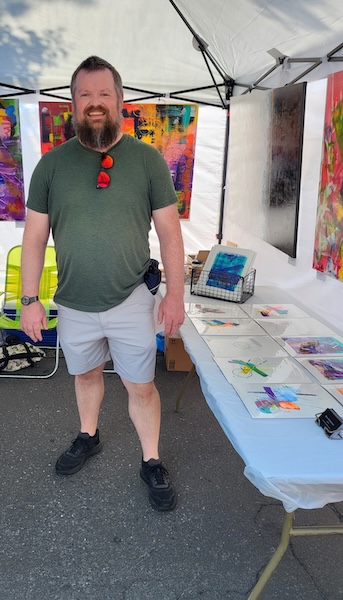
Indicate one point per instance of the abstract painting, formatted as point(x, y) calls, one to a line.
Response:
point(326, 369)
point(328, 244)
point(261, 370)
point(55, 124)
point(285, 401)
point(266, 132)
point(12, 203)
point(305, 345)
point(172, 130)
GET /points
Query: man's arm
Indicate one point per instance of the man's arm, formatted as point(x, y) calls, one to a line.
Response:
point(36, 234)
point(167, 225)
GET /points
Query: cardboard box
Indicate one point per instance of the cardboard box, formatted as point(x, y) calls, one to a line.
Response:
point(176, 356)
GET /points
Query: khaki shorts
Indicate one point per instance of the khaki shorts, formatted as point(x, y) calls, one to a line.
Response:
point(125, 334)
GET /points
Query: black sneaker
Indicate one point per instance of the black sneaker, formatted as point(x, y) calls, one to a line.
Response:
point(162, 496)
point(82, 448)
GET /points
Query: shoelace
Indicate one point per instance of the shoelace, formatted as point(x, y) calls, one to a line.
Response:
point(159, 475)
point(78, 446)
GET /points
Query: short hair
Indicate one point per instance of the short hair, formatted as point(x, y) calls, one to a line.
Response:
point(94, 63)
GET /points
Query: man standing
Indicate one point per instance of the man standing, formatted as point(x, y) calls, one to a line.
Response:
point(98, 193)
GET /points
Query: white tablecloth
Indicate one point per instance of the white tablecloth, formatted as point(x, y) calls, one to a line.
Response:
point(291, 460)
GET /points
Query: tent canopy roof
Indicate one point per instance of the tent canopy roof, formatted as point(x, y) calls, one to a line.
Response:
point(152, 44)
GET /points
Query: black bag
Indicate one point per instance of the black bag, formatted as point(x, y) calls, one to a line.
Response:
point(152, 276)
point(16, 354)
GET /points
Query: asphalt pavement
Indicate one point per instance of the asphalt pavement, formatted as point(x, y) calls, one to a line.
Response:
point(94, 535)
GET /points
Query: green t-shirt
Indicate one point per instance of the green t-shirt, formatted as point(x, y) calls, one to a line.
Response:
point(100, 235)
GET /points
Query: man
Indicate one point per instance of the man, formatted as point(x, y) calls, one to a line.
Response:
point(98, 192)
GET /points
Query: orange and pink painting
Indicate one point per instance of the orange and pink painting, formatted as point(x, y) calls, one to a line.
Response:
point(328, 244)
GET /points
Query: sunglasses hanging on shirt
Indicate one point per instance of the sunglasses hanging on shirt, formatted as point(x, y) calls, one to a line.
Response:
point(104, 179)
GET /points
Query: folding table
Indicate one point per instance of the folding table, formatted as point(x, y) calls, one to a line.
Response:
point(291, 460)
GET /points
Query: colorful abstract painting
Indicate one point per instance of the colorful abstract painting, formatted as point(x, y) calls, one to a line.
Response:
point(55, 124)
point(12, 203)
point(328, 244)
point(285, 401)
point(172, 130)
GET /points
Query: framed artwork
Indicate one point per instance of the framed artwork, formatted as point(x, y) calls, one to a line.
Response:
point(328, 243)
point(198, 309)
point(224, 326)
point(297, 401)
point(326, 369)
point(266, 132)
point(261, 370)
point(12, 202)
point(274, 311)
point(223, 270)
point(314, 344)
point(242, 345)
point(55, 124)
point(171, 128)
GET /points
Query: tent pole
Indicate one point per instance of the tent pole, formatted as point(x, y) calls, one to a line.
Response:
point(224, 176)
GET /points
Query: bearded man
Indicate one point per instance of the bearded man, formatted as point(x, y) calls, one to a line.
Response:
point(97, 193)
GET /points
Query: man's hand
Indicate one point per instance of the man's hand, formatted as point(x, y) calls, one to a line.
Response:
point(33, 319)
point(172, 311)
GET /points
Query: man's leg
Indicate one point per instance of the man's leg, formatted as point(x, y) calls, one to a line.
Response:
point(89, 389)
point(145, 413)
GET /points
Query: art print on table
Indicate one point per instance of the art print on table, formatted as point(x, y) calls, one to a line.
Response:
point(261, 370)
point(306, 326)
point(198, 309)
point(297, 401)
point(336, 391)
point(226, 326)
point(307, 345)
point(324, 369)
point(236, 346)
point(223, 271)
point(12, 203)
point(274, 311)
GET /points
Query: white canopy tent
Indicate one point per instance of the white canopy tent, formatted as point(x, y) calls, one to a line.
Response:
point(183, 50)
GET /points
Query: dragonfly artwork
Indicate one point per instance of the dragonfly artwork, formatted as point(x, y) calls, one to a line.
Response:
point(284, 401)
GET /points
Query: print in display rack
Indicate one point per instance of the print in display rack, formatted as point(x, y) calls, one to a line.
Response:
point(227, 274)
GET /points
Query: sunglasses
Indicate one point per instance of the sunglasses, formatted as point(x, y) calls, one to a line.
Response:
point(104, 180)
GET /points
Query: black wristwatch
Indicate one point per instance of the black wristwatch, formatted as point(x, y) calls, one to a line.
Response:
point(26, 300)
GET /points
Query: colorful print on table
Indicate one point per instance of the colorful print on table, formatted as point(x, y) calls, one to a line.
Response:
point(56, 124)
point(172, 130)
point(274, 311)
point(12, 202)
point(227, 327)
point(327, 369)
point(305, 345)
point(198, 309)
point(328, 243)
point(302, 401)
point(261, 370)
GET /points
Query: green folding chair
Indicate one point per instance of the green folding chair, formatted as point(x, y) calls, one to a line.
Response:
point(10, 311)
